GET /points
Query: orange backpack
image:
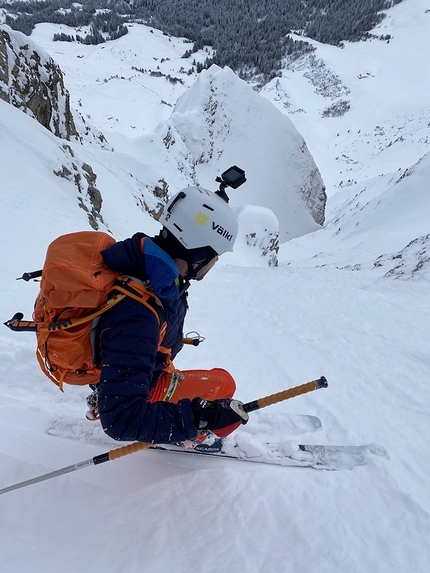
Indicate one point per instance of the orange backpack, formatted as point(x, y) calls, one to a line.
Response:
point(76, 288)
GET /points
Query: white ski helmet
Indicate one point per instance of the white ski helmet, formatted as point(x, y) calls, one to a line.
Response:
point(200, 218)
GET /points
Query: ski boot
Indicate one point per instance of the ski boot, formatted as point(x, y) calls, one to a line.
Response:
point(92, 403)
point(205, 441)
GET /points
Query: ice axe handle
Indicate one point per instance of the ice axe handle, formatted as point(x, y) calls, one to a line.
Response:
point(30, 276)
point(286, 394)
point(321, 383)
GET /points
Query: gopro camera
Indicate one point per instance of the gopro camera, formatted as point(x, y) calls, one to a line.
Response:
point(234, 177)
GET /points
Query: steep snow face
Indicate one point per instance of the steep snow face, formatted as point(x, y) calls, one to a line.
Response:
point(72, 184)
point(381, 224)
point(222, 121)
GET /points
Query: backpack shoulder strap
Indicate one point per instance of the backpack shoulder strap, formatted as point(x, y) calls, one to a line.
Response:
point(138, 291)
point(135, 289)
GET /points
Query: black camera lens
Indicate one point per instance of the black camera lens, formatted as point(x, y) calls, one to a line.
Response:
point(234, 177)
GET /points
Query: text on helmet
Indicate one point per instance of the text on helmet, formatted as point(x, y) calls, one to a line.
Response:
point(203, 219)
point(222, 231)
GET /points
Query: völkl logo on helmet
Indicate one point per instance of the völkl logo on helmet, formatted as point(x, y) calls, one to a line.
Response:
point(223, 232)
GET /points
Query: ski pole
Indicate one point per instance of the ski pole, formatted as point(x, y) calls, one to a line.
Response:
point(137, 446)
point(96, 460)
point(286, 394)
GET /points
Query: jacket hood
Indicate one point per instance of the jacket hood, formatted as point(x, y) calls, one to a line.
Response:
point(141, 258)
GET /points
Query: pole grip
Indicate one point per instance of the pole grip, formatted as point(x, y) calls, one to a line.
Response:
point(191, 341)
point(193, 338)
point(130, 449)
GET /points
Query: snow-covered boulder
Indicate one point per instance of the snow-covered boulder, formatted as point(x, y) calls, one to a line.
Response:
point(258, 229)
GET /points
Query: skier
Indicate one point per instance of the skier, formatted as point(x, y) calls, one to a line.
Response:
point(141, 396)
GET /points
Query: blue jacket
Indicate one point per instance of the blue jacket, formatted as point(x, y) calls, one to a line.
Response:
point(127, 347)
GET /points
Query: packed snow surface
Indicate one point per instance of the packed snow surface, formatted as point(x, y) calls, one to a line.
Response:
point(349, 301)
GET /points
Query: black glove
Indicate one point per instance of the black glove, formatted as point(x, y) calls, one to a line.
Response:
point(217, 414)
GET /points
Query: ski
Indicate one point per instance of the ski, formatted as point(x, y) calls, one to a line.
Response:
point(321, 457)
point(258, 444)
point(268, 427)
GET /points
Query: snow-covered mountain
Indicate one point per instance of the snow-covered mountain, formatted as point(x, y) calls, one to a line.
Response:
point(216, 116)
point(204, 135)
point(385, 84)
point(349, 301)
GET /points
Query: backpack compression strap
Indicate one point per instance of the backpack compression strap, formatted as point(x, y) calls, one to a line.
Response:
point(124, 285)
point(18, 325)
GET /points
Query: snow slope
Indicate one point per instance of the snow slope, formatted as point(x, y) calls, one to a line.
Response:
point(326, 309)
point(387, 85)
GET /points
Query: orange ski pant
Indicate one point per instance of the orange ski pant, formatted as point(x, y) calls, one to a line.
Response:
point(207, 384)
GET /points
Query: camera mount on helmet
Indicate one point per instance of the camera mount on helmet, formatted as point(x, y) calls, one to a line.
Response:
point(234, 177)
